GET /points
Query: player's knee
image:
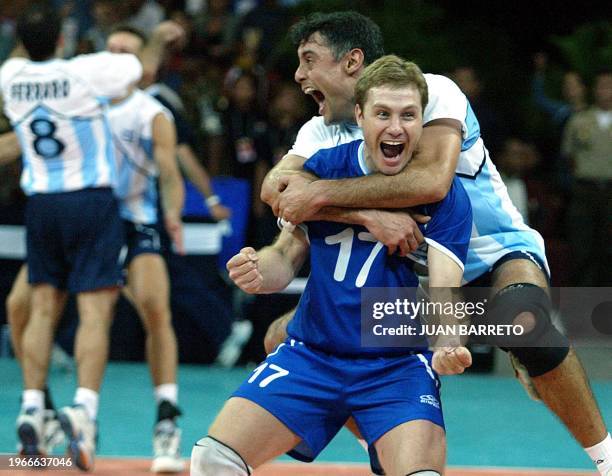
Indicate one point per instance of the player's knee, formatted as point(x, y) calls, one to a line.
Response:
point(210, 457)
point(540, 347)
point(154, 310)
point(17, 306)
point(524, 305)
point(427, 472)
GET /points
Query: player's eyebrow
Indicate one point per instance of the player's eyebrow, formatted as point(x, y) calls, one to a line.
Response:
point(308, 52)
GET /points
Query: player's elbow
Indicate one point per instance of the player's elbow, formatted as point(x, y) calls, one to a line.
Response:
point(440, 188)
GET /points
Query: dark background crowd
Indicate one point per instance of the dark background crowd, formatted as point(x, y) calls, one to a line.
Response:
point(537, 75)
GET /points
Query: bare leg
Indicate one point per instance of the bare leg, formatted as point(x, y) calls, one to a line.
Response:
point(18, 310)
point(92, 338)
point(37, 341)
point(252, 432)
point(565, 389)
point(412, 446)
point(149, 290)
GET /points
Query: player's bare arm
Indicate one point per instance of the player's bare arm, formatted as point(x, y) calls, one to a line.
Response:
point(396, 230)
point(170, 181)
point(168, 34)
point(426, 180)
point(277, 331)
point(290, 164)
point(10, 150)
point(444, 273)
point(199, 177)
point(273, 267)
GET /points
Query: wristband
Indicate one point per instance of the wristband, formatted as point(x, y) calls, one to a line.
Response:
point(212, 201)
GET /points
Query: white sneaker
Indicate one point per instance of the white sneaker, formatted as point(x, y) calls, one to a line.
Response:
point(53, 434)
point(30, 431)
point(166, 448)
point(81, 433)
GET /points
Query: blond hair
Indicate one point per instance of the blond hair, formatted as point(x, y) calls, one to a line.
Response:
point(392, 71)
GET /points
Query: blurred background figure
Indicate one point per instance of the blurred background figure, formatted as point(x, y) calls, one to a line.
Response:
point(587, 144)
point(517, 160)
point(491, 125)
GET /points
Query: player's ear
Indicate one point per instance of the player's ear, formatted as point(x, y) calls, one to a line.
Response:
point(358, 114)
point(354, 61)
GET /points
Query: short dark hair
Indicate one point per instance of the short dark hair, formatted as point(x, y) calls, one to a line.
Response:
point(39, 30)
point(132, 31)
point(343, 31)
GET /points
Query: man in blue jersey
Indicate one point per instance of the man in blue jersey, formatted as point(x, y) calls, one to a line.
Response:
point(58, 109)
point(302, 394)
point(504, 253)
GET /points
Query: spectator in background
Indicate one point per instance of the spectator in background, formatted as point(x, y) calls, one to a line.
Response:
point(573, 90)
point(286, 113)
point(587, 144)
point(259, 33)
point(574, 99)
point(215, 31)
point(106, 14)
point(247, 153)
point(8, 21)
point(515, 160)
point(490, 122)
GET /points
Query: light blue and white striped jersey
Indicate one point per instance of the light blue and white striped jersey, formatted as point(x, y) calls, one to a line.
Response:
point(58, 110)
point(498, 226)
point(131, 122)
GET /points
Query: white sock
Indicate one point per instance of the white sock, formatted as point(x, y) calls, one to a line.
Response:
point(33, 399)
point(89, 399)
point(166, 391)
point(601, 454)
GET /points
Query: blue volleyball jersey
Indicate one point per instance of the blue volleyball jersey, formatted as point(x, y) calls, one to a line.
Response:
point(345, 258)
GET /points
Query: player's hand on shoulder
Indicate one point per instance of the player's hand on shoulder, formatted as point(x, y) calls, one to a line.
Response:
point(397, 230)
point(243, 270)
point(451, 360)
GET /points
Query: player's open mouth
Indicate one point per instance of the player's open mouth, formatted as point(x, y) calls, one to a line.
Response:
point(391, 149)
point(318, 96)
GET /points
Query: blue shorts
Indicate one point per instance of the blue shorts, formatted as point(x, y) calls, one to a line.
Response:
point(74, 240)
point(313, 393)
point(142, 239)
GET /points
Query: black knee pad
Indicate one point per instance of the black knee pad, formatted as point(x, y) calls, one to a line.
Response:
point(543, 348)
point(540, 360)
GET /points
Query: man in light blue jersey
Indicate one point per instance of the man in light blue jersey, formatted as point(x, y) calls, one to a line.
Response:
point(58, 109)
point(145, 144)
point(74, 232)
point(504, 253)
point(300, 397)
